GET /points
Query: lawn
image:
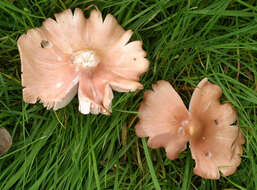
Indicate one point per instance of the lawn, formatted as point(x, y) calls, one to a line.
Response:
point(185, 40)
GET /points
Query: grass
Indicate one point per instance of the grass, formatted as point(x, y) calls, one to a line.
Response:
point(186, 40)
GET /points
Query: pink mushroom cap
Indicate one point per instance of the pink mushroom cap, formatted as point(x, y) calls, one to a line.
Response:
point(162, 118)
point(217, 147)
point(73, 55)
point(5, 140)
point(211, 128)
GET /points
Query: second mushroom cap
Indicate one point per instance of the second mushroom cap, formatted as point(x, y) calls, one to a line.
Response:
point(208, 126)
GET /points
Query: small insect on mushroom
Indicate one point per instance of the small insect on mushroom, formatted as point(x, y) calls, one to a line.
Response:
point(210, 127)
point(73, 55)
point(5, 140)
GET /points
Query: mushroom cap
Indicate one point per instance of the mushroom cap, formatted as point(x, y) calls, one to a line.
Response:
point(163, 118)
point(215, 139)
point(5, 140)
point(47, 56)
point(218, 146)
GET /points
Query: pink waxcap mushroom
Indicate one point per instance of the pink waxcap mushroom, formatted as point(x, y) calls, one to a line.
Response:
point(217, 146)
point(163, 118)
point(210, 127)
point(5, 140)
point(73, 55)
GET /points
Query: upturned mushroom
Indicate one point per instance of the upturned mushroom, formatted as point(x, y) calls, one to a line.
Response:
point(73, 55)
point(211, 128)
point(5, 140)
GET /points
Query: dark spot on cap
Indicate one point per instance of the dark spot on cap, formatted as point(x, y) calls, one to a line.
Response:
point(45, 44)
point(235, 123)
point(207, 154)
point(216, 122)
